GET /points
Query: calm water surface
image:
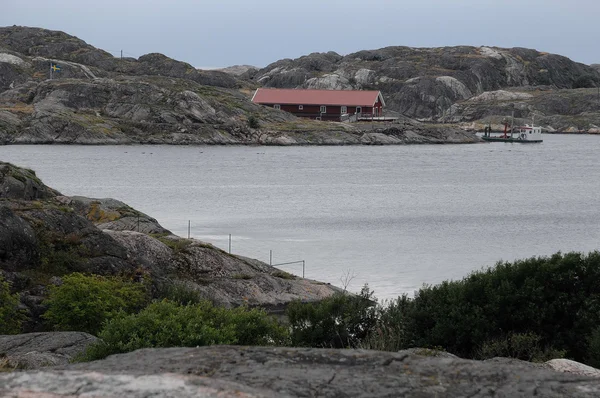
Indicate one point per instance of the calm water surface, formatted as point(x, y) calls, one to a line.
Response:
point(395, 217)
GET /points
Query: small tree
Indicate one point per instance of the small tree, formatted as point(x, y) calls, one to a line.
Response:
point(11, 317)
point(85, 302)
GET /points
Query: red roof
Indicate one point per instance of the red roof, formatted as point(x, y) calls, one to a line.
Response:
point(316, 97)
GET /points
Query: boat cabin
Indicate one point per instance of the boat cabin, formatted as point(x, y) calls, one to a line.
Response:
point(529, 133)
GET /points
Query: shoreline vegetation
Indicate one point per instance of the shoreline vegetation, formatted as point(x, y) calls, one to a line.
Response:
point(535, 309)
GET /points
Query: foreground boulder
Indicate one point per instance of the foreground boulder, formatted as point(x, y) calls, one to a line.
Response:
point(294, 372)
point(36, 350)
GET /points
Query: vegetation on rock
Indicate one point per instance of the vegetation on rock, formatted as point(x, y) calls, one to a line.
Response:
point(11, 317)
point(530, 309)
point(84, 302)
point(45, 237)
point(169, 324)
point(340, 321)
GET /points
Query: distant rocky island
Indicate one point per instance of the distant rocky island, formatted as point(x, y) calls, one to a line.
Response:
point(468, 87)
point(96, 98)
point(440, 95)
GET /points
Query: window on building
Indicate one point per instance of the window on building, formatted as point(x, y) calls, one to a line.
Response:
point(344, 110)
point(277, 106)
point(323, 109)
point(300, 107)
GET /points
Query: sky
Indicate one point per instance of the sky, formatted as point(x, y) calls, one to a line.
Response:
point(219, 33)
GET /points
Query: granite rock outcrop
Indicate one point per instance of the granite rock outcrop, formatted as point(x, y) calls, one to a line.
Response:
point(45, 235)
point(296, 372)
point(461, 84)
point(97, 98)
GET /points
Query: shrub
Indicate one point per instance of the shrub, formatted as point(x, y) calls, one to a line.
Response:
point(389, 333)
point(283, 275)
point(339, 321)
point(11, 317)
point(179, 293)
point(556, 298)
point(168, 324)
point(584, 81)
point(253, 122)
point(593, 354)
point(525, 346)
point(177, 245)
point(85, 302)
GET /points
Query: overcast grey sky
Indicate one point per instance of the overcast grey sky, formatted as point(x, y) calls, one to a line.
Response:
point(258, 32)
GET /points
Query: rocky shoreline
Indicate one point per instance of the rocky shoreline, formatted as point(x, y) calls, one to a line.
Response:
point(45, 235)
point(97, 99)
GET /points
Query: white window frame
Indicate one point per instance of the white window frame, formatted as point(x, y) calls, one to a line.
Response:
point(277, 106)
point(300, 107)
point(323, 109)
point(343, 110)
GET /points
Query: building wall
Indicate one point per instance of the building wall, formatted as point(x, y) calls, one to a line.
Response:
point(333, 111)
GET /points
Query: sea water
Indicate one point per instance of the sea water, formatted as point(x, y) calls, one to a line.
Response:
point(395, 217)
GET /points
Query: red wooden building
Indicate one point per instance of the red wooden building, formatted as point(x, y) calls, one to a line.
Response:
point(335, 105)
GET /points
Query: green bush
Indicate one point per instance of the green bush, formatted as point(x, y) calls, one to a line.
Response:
point(168, 324)
point(556, 298)
point(389, 333)
point(11, 317)
point(340, 321)
point(253, 122)
point(584, 81)
point(179, 292)
point(85, 302)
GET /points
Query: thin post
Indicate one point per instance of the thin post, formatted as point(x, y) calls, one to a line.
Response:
point(50, 70)
point(229, 243)
point(189, 227)
point(138, 223)
point(512, 123)
point(270, 257)
point(303, 264)
point(121, 55)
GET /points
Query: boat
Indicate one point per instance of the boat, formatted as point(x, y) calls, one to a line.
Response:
point(520, 134)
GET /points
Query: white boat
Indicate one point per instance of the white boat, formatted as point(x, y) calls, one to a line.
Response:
point(521, 134)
